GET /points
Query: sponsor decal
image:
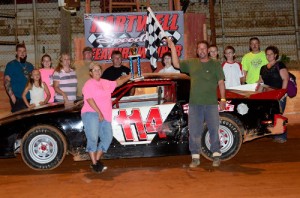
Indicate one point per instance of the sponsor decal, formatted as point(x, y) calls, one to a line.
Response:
point(140, 125)
point(228, 107)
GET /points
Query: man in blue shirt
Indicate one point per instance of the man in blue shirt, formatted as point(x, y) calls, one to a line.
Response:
point(16, 75)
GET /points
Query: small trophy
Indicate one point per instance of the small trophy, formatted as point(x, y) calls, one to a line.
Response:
point(135, 55)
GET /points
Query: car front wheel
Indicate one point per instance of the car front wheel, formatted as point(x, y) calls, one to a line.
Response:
point(43, 148)
point(230, 138)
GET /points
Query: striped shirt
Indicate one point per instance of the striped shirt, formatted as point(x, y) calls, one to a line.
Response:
point(67, 83)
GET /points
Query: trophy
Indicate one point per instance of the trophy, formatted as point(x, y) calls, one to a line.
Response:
point(134, 55)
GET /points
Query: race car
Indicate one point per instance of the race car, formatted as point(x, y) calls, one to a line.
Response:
point(151, 122)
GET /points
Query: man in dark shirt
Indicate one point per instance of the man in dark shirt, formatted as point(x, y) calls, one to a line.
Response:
point(16, 75)
point(117, 69)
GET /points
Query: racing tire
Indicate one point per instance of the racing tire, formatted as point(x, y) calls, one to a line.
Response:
point(43, 148)
point(230, 135)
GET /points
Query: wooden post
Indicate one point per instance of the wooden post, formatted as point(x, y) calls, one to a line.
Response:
point(87, 6)
point(65, 32)
point(193, 32)
point(204, 32)
point(170, 5)
point(212, 23)
point(177, 5)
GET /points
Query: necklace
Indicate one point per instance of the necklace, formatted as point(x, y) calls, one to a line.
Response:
point(270, 65)
point(24, 69)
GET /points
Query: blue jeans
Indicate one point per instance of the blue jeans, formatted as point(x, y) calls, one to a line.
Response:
point(95, 129)
point(197, 115)
point(282, 104)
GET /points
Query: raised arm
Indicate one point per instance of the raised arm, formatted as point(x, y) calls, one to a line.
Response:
point(175, 59)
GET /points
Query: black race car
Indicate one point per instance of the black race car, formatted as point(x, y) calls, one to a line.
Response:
point(152, 122)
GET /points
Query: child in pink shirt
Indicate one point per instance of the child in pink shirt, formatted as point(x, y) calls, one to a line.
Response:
point(46, 74)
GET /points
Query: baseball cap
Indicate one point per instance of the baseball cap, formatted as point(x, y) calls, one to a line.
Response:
point(87, 49)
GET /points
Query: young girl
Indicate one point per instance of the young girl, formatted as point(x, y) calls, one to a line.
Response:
point(232, 69)
point(36, 88)
point(166, 61)
point(213, 52)
point(47, 74)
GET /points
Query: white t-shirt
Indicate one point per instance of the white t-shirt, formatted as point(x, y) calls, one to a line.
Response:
point(169, 70)
point(233, 72)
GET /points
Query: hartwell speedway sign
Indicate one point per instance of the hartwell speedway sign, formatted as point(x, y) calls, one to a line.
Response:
point(118, 31)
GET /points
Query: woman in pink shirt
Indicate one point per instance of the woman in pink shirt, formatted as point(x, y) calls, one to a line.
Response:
point(96, 114)
point(47, 74)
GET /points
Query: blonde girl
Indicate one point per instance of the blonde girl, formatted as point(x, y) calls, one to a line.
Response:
point(36, 88)
point(65, 80)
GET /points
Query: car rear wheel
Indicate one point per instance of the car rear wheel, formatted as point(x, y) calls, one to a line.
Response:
point(230, 139)
point(43, 148)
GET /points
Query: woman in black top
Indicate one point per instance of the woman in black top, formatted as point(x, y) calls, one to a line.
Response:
point(275, 75)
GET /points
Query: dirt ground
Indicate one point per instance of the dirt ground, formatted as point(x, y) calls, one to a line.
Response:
point(262, 168)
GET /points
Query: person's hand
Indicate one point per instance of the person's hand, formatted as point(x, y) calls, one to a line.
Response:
point(257, 87)
point(170, 43)
point(124, 76)
point(222, 105)
point(100, 117)
point(31, 106)
point(137, 78)
point(68, 103)
point(42, 103)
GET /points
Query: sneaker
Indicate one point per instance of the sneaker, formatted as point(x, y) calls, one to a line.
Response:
point(94, 168)
point(102, 168)
point(98, 167)
point(279, 140)
point(216, 162)
point(195, 162)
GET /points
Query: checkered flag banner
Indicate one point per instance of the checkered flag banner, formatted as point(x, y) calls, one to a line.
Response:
point(174, 35)
point(154, 34)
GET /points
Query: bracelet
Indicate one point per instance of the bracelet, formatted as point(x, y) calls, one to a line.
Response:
point(223, 99)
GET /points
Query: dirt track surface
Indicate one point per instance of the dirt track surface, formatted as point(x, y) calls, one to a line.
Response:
point(261, 169)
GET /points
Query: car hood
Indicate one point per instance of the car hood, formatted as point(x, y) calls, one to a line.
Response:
point(45, 109)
